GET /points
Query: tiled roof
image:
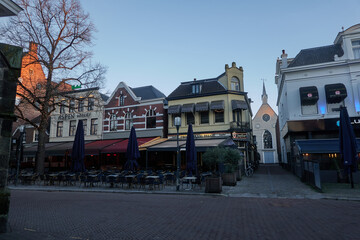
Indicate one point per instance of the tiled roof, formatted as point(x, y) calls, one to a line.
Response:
point(148, 92)
point(317, 55)
point(208, 86)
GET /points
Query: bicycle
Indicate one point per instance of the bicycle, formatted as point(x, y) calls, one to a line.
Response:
point(249, 171)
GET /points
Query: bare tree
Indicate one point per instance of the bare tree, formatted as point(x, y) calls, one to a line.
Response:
point(60, 34)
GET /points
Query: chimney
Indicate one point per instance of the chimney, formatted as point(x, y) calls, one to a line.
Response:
point(284, 62)
point(33, 48)
point(194, 79)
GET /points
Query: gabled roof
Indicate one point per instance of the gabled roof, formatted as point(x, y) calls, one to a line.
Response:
point(147, 92)
point(317, 55)
point(208, 86)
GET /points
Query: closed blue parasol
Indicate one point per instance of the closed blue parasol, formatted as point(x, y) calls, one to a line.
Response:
point(191, 160)
point(347, 142)
point(132, 152)
point(78, 150)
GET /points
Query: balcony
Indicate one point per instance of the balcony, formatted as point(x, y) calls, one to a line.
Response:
point(240, 126)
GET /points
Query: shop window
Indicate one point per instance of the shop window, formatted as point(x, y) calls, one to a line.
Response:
point(151, 119)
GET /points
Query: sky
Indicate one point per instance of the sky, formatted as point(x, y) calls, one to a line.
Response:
point(166, 42)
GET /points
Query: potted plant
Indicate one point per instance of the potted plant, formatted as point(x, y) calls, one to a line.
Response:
point(231, 160)
point(211, 158)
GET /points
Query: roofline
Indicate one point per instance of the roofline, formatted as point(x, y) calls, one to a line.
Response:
point(81, 90)
point(11, 6)
point(123, 85)
point(206, 95)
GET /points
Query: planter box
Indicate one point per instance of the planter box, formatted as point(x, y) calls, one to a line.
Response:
point(213, 185)
point(229, 179)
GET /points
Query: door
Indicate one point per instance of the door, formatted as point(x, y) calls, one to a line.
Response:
point(269, 157)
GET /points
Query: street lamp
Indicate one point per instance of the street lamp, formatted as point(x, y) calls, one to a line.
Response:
point(177, 123)
point(19, 151)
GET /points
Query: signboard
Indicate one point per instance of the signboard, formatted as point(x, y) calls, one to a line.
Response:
point(239, 136)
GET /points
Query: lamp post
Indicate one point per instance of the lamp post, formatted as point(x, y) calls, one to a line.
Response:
point(19, 151)
point(177, 124)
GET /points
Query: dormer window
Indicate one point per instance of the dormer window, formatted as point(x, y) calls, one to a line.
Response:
point(235, 84)
point(196, 88)
point(356, 48)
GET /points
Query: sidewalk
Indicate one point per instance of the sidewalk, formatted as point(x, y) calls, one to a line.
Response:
point(269, 181)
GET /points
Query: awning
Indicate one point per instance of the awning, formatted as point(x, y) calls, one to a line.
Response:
point(202, 107)
point(309, 95)
point(320, 145)
point(238, 105)
point(152, 143)
point(186, 108)
point(30, 151)
point(122, 145)
point(217, 105)
point(95, 147)
point(201, 145)
point(335, 93)
point(59, 149)
point(168, 146)
point(175, 109)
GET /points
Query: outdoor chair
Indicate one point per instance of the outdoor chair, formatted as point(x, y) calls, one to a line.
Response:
point(150, 183)
point(169, 178)
point(140, 180)
point(159, 182)
point(83, 180)
point(60, 178)
point(112, 180)
point(122, 180)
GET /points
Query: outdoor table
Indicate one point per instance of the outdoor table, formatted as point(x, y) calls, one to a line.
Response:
point(152, 176)
point(52, 178)
point(191, 180)
point(112, 176)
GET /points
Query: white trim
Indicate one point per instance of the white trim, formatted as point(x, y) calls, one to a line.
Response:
point(129, 106)
point(11, 6)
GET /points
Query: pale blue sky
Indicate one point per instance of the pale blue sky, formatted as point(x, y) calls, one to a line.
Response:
point(166, 42)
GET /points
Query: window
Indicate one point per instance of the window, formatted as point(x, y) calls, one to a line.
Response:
point(128, 121)
point(62, 107)
point(72, 128)
point(151, 119)
point(36, 136)
point(59, 129)
point(81, 105)
point(237, 117)
point(94, 125)
point(204, 117)
point(113, 122)
point(190, 118)
point(196, 88)
point(219, 116)
point(84, 126)
point(235, 84)
point(267, 139)
point(356, 49)
point(91, 103)
point(121, 100)
point(72, 106)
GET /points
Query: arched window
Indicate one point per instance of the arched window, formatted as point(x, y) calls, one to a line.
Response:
point(151, 119)
point(128, 121)
point(235, 84)
point(113, 122)
point(267, 139)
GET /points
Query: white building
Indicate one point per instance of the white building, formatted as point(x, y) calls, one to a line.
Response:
point(264, 124)
point(86, 105)
point(312, 86)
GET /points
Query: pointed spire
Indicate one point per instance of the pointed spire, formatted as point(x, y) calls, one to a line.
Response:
point(264, 96)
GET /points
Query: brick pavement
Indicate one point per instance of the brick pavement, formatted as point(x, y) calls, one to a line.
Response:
point(273, 204)
point(89, 215)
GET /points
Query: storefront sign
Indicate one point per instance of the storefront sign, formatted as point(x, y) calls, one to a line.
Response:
point(239, 136)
